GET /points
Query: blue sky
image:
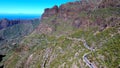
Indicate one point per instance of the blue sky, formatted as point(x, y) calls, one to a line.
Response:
point(27, 6)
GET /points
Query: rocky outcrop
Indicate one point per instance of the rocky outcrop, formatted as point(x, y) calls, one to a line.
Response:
point(44, 28)
point(73, 8)
point(79, 14)
point(64, 12)
point(81, 22)
point(49, 12)
point(69, 10)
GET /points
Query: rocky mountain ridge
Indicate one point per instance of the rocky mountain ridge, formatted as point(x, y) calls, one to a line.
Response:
point(80, 14)
point(84, 5)
point(4, 23)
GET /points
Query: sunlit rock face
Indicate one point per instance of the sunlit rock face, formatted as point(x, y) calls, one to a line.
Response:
point(50, 11)
point(79, 12)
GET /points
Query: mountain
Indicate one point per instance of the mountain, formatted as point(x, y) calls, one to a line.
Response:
point(12, 31)
point(77, 34)
point(76, 15)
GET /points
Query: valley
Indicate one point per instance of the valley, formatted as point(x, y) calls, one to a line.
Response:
point(80, 34)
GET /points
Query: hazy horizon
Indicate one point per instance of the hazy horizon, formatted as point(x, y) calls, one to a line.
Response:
point(19, 16)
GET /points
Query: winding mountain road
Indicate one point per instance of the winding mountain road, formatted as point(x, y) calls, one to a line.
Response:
point(85, 59)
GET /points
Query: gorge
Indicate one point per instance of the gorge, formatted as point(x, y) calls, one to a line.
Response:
point(80, 34)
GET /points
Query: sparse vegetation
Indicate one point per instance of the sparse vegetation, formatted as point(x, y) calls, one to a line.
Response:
point(55, 50)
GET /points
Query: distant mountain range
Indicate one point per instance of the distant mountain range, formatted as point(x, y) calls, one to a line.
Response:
point(12, 31)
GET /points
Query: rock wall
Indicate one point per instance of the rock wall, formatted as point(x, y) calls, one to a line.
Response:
point(65, 10)
point(79, 14)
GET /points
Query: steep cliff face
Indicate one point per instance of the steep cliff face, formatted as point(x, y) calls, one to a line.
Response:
point(78, 15)
point(68, 10)
point(49, 12)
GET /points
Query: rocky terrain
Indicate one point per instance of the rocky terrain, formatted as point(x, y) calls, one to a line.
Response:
point(76, 15)
point(79, 34)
